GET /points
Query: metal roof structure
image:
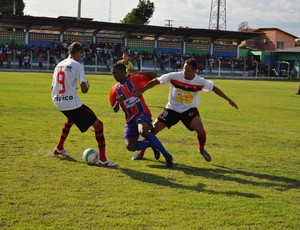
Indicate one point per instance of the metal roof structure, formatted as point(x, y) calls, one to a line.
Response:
point(88, 26)
point(289, 50)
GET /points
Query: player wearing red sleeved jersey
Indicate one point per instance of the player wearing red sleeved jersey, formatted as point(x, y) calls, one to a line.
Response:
point(138, 116)
point(132, 106)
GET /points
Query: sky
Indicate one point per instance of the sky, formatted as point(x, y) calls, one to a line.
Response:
point(281, 14)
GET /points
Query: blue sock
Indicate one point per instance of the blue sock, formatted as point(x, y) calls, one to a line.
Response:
point(142, 145)
point(157, 144)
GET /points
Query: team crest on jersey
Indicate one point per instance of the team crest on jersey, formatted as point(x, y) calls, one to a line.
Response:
point(129, 102)
point(69, 67)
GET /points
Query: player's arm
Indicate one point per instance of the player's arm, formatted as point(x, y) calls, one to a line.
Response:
point(223, 95)
point(149, 85)
point(116, 106)
point(84, 86)
point(151, 75)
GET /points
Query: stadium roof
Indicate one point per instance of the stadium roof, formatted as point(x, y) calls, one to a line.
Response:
point(88, 26)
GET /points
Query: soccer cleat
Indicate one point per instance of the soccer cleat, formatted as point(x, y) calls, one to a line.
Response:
point(205, 154)
point(107, 163)
point(63, 152)
point(169, 161)
point(137, 156)
point(156, 153)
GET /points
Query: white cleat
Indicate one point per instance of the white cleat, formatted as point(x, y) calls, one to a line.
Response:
point(107, 163)
point(63, 152)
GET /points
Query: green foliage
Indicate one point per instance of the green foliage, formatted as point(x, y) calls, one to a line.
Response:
point(141, 14)
point(6, 7)
point(252, 182)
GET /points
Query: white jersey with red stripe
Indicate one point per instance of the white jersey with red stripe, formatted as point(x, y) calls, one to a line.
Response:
point(184, 94)
point(64, 84)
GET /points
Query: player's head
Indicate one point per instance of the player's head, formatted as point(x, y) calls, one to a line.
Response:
point(76, 50)
point(190, 68)
point(119, 72)
point(125, 56)
point(193, 63)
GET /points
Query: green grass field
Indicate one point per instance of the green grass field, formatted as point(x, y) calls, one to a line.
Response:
point(252, 182)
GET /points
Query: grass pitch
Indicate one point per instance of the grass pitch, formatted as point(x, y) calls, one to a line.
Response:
point(252, 182)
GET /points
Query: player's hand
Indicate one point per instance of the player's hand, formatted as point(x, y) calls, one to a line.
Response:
point(119, 98)
point(233, 104)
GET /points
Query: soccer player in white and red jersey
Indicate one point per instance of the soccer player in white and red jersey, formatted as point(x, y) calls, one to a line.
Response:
point(64, 96)
point(137, 113)
point(184, 98)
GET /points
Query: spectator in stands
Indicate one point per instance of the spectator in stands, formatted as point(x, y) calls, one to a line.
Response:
point(8, 61)
point(51, 60)
point(129, 66)
point(139, 61)
point(183, 101)
point(41, 61)
point(108, 62)
point(211, 63)
point(20, 59)
point(26, 61)
point(1, 59)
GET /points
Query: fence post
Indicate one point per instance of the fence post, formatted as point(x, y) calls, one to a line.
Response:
point(48, 60)
point(245, 67)
point(14, 58)
point(219, 74)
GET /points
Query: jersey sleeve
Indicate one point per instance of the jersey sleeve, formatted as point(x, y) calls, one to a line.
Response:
point(81, 74)
point(112, 95)
point(165, 78)
point(208, 85)
point(139, 80)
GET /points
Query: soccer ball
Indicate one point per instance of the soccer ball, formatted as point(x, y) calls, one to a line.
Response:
point(90, 156)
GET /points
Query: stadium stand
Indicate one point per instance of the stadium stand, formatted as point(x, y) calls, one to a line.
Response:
point(163, 49)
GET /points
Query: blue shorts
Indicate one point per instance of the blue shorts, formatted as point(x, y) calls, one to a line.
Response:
point(131, 128)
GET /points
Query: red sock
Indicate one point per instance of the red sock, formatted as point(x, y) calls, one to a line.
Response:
point(64, 134)
point(201, 139)
point(100, 140)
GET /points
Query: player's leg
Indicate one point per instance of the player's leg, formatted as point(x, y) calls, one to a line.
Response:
point(197, 125)
point(157, 127)
point(167, 118)
point(131, 135)
point(99, 135)
point(143, 128)
point(192, 120)
point(59, 149)
point(84, 118)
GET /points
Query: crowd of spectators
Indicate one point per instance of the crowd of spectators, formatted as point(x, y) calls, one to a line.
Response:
point(105, 54)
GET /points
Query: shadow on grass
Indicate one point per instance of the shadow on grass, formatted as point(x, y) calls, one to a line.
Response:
point(223, 173)
point(278, 182)
point(162, 181)
point(70, 159)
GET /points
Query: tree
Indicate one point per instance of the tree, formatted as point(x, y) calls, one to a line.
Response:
point(141, 14)
point(7, 7)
